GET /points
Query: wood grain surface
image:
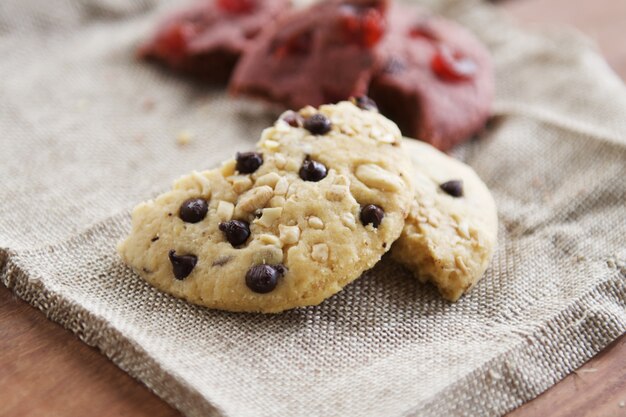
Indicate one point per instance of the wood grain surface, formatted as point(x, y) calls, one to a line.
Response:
point(46, 371)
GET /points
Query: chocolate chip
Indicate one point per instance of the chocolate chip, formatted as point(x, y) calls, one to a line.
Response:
point(236, 231)
point(318, 124)
point(182, 265)
point(365, 103)
point(312, 171)
point(372, 214)
point(292, 118)
point(154, 239)
point(248, 162)
point(453, 187)
point(264, 278)
point(193, 210)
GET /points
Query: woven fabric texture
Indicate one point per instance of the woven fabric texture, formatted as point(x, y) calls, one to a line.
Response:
point(88, 132)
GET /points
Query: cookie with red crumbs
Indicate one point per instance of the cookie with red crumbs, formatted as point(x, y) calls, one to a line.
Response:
point(207, 38)
point(436, 80)
point(321, 54)
point(319, 201)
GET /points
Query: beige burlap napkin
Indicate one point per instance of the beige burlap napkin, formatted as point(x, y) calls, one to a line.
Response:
point(87, 132)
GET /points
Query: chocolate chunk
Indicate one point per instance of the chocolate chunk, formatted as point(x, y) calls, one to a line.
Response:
point(154, 239)
point(372, 214)
point(453, 187)
point(182, 265)
point(292, 118)
point(318, 124)
point(236, 231)
point(248, 162)
point(193, 210)
point(264, 278)
point(312, 171)
point(365, 103)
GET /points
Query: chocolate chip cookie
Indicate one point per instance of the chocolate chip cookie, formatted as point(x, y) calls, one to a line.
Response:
point(451, 231)
point(319, 201)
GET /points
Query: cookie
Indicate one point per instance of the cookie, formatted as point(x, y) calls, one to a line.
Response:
point(451, 231)
point(207, 39)
point(318, 203)
point(436, 81)
point(320, 54)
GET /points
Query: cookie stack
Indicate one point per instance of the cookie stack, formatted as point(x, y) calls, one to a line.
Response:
point(427, 74)
point(324, 195)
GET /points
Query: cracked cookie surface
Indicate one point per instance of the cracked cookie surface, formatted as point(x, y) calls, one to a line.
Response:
point(451, 231)
point(319, 202)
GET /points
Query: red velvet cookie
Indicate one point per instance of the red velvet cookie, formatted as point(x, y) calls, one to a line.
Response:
point(321, 54)
point(207, 38)
point(436, 80)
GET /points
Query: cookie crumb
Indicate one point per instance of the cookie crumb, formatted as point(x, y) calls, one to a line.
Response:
point(184, 137)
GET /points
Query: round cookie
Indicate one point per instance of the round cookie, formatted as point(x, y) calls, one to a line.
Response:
point(320, 202)
point(436, 81)
point(451, 231)
point(207, 38)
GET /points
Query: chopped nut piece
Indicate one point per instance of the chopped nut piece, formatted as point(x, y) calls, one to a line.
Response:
point(316, 222)
point(269, 216)
point(463, 229)
point(270, 144)
point(281, 186)
point(376, 177)
point(336, 192)
point(348, 220)
point(240, 183)
point(268, 239)
point(228, 167)
point(320, 252)
point(225, 210)
point(270, 255)
point(254, 199)
point(197, 182)
point(289, 234)
point(268, 179)
point(280, 160)
point(277, 201)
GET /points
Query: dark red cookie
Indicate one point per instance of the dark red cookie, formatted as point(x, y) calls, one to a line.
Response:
point(207, 38)
point(321, 54)
point(436, 81)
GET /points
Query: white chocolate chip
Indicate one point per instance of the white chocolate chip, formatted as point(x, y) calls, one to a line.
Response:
point(281, 125)
point(281, 186)
point(254, 199)
point(228, 167)
point(289, 234)
point(240, 183)
point(225, 210)
point(279, 160)
point(348, 220)
point(307, 111)
point(376, 177)
point(269, 216)
point(268, 179)
point(336, 192)
point(316, 222)
point(320, 252)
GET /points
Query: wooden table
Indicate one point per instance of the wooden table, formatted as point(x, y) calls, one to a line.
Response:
point(46, 370)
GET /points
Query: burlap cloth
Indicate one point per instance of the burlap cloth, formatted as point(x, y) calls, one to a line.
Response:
point(87, 132)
